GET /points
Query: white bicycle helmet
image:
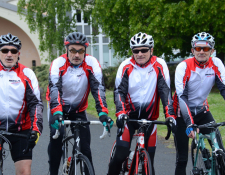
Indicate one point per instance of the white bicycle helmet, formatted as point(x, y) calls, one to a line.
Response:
point(141, 40)
point(76, 38)
point(10, 39)
point(203, 36)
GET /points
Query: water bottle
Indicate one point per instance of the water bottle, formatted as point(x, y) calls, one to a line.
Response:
point(130, 158)
point(68, 164)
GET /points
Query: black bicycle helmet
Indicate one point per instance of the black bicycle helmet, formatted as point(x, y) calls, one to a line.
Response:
point(11, 40)
point(76, 38)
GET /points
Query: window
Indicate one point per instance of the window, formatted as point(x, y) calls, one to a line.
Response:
point(96, 52)
point(78, 16)
point(87, 30)
point(105, 56)
point(95, 40)
point(105, 40)
point(33, 63)
point(79, 29)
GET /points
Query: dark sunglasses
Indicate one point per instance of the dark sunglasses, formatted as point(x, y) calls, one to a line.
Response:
point(205, 49)
point(13, 51)
point(74, 51)
point(142, 51)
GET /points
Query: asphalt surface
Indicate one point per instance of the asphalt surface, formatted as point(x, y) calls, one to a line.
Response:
point(164, 157)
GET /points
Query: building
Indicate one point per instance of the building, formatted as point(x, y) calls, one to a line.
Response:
point(11, 22)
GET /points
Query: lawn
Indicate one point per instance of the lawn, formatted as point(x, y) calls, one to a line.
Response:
point(215, 100)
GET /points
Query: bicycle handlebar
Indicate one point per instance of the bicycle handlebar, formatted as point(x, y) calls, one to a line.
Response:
point(144, 121)
point(83, 123)
point(209, 125)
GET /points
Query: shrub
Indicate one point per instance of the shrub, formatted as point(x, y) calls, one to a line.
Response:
point(42, 73)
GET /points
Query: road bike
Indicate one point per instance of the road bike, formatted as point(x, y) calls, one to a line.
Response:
point(76, 163)
point(207, 162)
point(3, 140)
point(138, 162)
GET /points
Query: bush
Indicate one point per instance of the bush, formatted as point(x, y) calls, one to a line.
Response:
point(42, 73)
point(109, 75)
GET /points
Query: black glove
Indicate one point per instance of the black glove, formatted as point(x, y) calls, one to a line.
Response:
point(172, 123)
point(120, 120)
point(105, 119)
point(33, 138)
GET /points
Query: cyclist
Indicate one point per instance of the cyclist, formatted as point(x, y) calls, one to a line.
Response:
point(194, 79)
point(71, 77)
point(21, 107)
point(140, 81)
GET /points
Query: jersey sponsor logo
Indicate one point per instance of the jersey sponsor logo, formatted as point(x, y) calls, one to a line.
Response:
point(14, 81)
point(209, 75)
point(150, 71)
point(80, 75)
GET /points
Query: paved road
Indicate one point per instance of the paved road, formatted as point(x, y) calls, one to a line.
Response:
point(164, 158)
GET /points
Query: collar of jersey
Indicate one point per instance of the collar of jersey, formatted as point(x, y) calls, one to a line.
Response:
point(142, 66)
point(200, 65)
point(8, 69)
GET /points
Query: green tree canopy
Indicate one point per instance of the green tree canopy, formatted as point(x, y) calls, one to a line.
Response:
point(50, 18)
point(172, 23)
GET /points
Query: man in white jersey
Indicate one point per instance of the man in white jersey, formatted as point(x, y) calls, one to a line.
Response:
point(194, 79)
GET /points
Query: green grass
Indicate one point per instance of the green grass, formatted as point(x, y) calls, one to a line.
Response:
point(215, 100)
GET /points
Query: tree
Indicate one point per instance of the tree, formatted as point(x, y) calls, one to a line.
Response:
point(172, 23)
point(50, 18)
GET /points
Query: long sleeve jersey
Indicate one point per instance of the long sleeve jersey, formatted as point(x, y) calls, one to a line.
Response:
point(193, 84)
point(69, 87)
point(138, 89)
point(21, 107)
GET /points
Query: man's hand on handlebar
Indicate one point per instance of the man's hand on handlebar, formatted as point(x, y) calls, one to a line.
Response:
point(57, 121)
point(121, 120)
point(107, 122)
point(172, 123)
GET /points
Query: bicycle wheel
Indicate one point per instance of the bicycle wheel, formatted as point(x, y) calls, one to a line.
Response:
point(144, 164)
point(220, 162)
point(83, 166)
point(200, 165)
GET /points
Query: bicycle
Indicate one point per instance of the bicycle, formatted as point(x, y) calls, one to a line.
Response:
point(138, 162)
point(71, 163)
point(3, 139)
point(204, 162)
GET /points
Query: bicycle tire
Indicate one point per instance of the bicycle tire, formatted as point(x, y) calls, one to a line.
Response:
point(83, 165)
point(144, 164)
point(220, 162)
point(200, 165)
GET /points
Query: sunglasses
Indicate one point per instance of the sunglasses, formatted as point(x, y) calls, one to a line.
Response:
point(13, 51)
point(205, 49)
point(74, 51)
point(142, 51)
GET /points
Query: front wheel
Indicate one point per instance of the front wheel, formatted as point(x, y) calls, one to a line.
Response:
point(144, 164)
point(82, 166)
point(220, 162)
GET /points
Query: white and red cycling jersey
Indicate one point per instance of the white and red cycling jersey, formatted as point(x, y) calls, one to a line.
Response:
point(193, 84)
point(138, 89)
point(69, 87)
point(21, 107)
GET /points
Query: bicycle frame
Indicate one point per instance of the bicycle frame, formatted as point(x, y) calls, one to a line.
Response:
point(201, 145)
point(76, 136)
point(139, 145)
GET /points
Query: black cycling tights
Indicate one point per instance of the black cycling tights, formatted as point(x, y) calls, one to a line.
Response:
point(55, 145)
